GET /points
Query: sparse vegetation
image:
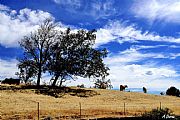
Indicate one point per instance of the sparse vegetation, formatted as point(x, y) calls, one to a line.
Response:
point(157, 114)
point(22, 103)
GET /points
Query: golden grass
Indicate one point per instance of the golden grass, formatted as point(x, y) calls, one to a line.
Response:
point(22, 104)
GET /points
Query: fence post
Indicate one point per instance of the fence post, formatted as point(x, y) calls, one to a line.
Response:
point(80, 109)
point(38, 110)
point(124, 109)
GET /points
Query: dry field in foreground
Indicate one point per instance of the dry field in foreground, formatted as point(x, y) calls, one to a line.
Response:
point(22, 104)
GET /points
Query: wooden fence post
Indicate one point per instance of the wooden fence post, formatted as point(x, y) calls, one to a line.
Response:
point(80, 109)
point(124, 108)
point(38, 110)
point(160, 106)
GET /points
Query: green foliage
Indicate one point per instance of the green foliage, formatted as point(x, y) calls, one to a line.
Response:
point(157, 114)
point(173, 91)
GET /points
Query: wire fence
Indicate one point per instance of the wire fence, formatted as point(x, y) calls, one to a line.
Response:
point(32, 110)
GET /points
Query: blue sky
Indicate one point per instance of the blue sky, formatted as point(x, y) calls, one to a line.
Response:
point(142, 36)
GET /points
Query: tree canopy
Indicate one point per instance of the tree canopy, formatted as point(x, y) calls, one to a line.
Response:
point(64, 54)
point(36, 47)
point(173, 91)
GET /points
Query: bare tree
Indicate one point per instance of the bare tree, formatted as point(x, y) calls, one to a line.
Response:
point(37, 45)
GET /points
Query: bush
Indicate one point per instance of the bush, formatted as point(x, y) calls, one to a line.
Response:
point(11, 81)
point(157, 114)
point(81, 86)
point(103, 84)
point(173, 91)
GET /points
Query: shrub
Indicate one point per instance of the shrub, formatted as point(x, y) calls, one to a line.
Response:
point(81, 86)
point(103, 84)
point(173, 91)
point(11, 81)
point(157, 114)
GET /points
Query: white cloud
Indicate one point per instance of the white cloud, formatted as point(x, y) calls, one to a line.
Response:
point(137, 76)
point(14, 25)
point(8, 68)
point(121, 32)
point(163, 10)
point(94, 9)
point(125, 70)
point(132, 55)
point(174, 55)
point(102, 9)
point(3, 7)
point(174, 46)
point(122, 69)
point(139, 47)
point(73, 4)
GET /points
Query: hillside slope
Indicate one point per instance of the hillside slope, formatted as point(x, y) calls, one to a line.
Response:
point(23, 104)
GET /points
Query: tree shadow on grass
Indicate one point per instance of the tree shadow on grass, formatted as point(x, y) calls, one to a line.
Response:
point(56, 92)
point(60, 92)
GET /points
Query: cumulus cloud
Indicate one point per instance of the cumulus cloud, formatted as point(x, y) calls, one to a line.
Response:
point(128, 67)
point(16, 24)
point(8, 68)
point(122, 32)
point(139, 75)
point(163, 10)
point(3, 7)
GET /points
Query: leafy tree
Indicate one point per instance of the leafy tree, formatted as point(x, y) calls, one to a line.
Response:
point(74, 55)
point(28, 69)
point(64, 54)
point(173, 91)
point(36, 48)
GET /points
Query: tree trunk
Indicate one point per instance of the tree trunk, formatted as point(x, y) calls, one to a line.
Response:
point(55, 80)
point(40, 67)
point(60, 85)
point(39, 74)
point(39, 77)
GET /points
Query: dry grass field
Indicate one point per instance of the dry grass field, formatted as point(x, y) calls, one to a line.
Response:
point(23, 104)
